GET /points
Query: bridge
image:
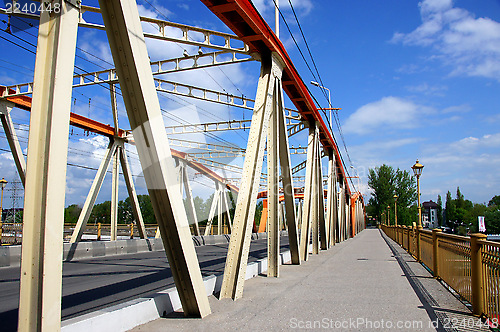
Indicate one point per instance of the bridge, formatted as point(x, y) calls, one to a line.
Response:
point(308, 208)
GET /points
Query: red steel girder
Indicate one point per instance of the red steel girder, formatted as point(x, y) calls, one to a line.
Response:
point(244, 20)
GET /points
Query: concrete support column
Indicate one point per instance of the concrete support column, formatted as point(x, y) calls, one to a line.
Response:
point(10, 133)
point(191, 209)
point(341, 211)
point(94, 191)
point(315, 212)
point(308, 190)
point(226, 209)
point(286, 179)
point(220, 215)
point(129, 183)
point(130, 55)
point(213, 208)
point(114, 195)
point(331, 206)
point(323, 235)
point(237, 257)
point(273, 229)
point(43, 220)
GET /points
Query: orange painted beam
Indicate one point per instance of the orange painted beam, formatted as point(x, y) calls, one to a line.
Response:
point(80, 121)
point(263, 217)
point(24, 102)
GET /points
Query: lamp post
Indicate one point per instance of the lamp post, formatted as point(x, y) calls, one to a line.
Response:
point(395, 209)
point(417, 170)
point(388, 215)
point(3, 183)
point(329, 100)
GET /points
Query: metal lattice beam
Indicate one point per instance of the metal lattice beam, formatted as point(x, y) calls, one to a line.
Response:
point(216, 126)
point(187, 32)
point(213, 96)
point(160, 67)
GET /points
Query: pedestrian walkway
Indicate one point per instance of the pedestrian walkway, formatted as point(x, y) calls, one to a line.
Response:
point(366, 283)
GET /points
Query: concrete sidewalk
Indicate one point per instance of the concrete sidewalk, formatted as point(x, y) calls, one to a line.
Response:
point(366, 283)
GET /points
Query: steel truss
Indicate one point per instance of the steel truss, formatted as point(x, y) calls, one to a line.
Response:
point(41, 275)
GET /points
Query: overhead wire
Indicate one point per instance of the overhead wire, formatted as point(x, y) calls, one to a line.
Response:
point(88, 53)
point(337, 120)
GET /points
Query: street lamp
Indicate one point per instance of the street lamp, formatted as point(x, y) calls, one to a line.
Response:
point(388, 215)
point(329, 100)
point(395, 209)
point(417, 170)
point(3, 183)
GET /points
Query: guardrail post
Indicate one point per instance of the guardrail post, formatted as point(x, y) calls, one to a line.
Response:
point(403, 230)
point(435, 252)
point(409, 238)
point(419, 229)
point(413, 233)
point(477, 273)
point(98, 231)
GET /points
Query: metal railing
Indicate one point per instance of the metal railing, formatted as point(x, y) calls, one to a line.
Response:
point(491, 278)
point(11, 234)
point(468, 265)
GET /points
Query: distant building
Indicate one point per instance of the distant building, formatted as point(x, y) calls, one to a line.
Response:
point(429, 215)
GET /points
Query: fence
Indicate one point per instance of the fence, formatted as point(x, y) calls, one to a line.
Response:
point(469, 265)
point(12, 233)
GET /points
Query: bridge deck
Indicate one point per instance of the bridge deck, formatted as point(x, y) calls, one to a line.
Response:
point(362, 281)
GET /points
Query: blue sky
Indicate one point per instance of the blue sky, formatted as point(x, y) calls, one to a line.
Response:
point(414, 80)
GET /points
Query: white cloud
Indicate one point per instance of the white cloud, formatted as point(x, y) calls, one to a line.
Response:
point(469, 163)
point(425, 88)
point(457, 109)
point(468, 44)
point(389, 112)
point(95, 46)
point(471, 144)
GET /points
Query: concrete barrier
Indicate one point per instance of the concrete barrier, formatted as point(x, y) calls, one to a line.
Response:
point(10, 256)
point(126, 316)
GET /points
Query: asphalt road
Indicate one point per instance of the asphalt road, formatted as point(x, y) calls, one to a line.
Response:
point(96, 283)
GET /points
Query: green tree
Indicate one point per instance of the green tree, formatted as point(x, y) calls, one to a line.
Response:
point(494, 201)
point(385, 182)
point(460, 200)
point(471, 216)
point(492, 219)
point(101, 213)
point(381, 181)
point(148, 213)
point(440, 210)
point(72, 213)
point(450, 209)
point(201, 210)
point(407, 194)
